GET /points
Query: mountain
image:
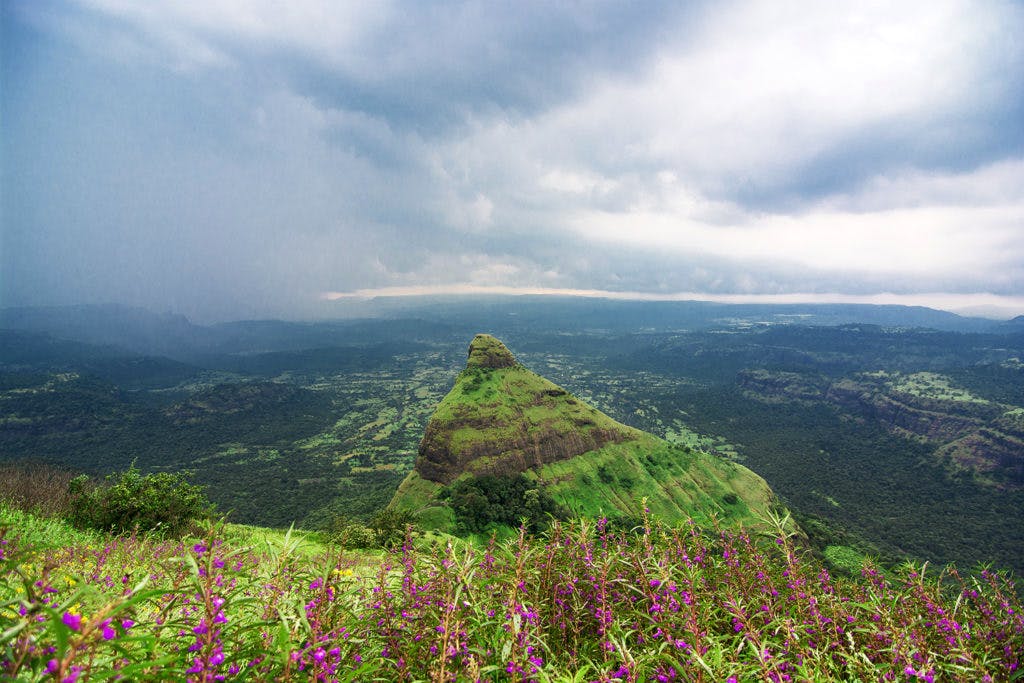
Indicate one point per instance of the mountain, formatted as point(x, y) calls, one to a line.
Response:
point(112, 325)
point(1012, 326)
point(513, 430)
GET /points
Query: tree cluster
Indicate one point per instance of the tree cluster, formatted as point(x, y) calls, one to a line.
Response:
point(479, 502)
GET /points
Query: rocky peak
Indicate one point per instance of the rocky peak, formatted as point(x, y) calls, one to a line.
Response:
point(486, 351)
point(501, 418)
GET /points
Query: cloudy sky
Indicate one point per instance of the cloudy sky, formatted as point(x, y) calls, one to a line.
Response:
point(229, 159)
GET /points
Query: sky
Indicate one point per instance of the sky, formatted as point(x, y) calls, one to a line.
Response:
point(233, 159)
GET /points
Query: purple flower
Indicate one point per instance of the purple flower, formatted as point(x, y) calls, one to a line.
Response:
point(199, 549)
point(52, 666)
point(127, 624)
point(108, 630)
point(72, 621)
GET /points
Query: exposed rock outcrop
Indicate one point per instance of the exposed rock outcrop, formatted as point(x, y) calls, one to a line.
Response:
point(981, 436)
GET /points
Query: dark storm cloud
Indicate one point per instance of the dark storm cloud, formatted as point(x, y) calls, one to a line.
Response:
point(438, 64)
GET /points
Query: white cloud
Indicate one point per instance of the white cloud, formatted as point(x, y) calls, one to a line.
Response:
point(577, 182)
point(766, 87)
point(901, 233)
point(762, 91)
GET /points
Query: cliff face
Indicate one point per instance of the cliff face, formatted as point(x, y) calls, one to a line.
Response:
point(984, 437)
point(500, 418)
point(904, 414)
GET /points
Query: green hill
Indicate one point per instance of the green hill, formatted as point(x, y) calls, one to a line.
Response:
point(501, 422)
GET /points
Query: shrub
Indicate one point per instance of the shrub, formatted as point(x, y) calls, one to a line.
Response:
point(129, 501)
point(390, 526)
point(351, 535)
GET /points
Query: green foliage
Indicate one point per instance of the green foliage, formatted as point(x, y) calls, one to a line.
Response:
point(390, 527)
point(342, 444)
point(351, 535)
point(479, 502)
point(131, 501)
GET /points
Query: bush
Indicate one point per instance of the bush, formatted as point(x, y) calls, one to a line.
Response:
point(390, 526)
point(130, 501)
point(351, 535)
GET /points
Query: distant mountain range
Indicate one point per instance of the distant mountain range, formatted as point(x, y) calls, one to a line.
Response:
point(174, 336)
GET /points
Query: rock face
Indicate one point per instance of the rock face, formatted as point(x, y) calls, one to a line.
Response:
point(502, 419)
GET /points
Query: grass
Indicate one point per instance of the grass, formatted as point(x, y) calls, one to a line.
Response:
point(581, 603)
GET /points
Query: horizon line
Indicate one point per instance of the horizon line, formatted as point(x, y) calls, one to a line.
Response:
point(981, 304)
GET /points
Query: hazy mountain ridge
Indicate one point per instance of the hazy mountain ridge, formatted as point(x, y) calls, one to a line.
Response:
point(142, 331)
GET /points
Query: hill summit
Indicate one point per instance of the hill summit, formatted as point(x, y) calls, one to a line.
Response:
point(502, 421)
point(486, 351)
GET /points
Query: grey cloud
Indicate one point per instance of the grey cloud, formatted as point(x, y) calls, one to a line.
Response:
point(437, 64)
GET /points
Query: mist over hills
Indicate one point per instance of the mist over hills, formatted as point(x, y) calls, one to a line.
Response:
point(142, 331)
